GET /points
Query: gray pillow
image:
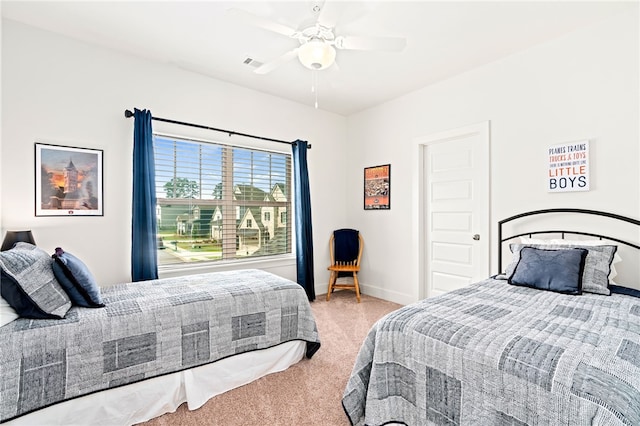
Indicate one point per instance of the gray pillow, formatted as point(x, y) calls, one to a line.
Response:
point(595, 276)
point(30, 268)
point(553, 270)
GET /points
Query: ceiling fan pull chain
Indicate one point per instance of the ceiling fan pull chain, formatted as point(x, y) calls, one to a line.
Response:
point(315, 85)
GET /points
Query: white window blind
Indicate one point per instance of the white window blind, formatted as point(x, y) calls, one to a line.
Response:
point(212, 201)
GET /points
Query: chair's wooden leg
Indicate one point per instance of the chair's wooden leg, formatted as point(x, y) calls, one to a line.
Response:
point(357, 286)
point(332, 281)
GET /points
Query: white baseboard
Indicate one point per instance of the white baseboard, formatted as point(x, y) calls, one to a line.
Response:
point(386, 294)
point(374, 291)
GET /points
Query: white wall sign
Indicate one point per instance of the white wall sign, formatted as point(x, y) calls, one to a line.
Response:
point(568, 167)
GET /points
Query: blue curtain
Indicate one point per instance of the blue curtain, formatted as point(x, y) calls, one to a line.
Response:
point(302, 212)
point(144, 254)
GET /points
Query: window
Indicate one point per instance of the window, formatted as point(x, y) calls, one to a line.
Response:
point(215, 201)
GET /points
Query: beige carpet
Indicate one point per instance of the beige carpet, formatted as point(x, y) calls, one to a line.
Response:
point(308, 393)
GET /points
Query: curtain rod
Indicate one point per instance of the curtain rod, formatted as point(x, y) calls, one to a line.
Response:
point(129, 114)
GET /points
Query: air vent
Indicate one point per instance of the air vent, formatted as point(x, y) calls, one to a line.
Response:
point(252, 62)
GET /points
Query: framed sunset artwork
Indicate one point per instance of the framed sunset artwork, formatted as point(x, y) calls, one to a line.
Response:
point(68, 181)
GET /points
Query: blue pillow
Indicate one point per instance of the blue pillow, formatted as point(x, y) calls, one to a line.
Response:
point(554, 270)
point(77, 281)
point(624, 290)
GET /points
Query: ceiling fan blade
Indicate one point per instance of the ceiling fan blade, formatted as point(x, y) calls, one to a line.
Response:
point(259, 21)
point(271, 65)
point(330, 13)
point(390, 44)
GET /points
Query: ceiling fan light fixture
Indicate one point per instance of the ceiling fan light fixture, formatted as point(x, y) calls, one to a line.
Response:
point(316, 54)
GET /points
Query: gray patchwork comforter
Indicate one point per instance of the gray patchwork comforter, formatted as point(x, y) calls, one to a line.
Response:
point(496, 354)
point(148, 329)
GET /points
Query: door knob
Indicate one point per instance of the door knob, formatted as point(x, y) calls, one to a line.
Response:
point(476, 237)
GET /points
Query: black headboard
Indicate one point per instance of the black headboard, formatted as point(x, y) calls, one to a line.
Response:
point(502, 239)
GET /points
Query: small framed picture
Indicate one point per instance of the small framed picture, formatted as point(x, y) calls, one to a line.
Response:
point(68, 181)
point(377, 187)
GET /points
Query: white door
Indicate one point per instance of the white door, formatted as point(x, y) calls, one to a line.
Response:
point(456, 208)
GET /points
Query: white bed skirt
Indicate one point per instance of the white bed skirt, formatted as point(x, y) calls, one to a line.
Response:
point(153, 397)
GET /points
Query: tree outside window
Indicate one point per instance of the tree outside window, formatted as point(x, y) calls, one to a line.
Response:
point(204, 190)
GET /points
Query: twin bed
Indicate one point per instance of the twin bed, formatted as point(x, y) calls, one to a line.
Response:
point(153, 346)
point(550, 342)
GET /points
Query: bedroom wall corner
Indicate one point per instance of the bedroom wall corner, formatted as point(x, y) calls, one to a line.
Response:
point(583, 85)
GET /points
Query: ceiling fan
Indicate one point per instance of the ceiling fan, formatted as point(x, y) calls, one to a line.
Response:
point(318, 42)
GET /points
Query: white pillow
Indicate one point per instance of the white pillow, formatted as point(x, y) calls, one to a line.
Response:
point(616, 256)
point(7, 313)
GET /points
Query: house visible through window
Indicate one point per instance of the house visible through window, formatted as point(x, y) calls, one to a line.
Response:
point(215, 201)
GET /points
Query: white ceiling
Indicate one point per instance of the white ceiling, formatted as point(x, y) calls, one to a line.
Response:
point(443, 39)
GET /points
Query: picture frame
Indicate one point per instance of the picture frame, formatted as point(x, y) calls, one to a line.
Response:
point(68, 181)
point(568, 167)
point(377, 187)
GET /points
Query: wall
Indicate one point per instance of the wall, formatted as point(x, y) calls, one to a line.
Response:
point(60, 91)
point(582, 86)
